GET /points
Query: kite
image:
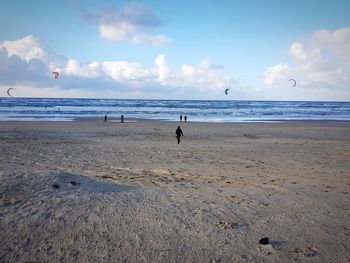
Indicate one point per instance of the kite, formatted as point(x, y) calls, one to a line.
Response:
point(8, 91)
point(226, 90)
point(294, 82)
point(56, 74)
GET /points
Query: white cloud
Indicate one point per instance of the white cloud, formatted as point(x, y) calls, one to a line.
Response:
point(14, 69)
point(26, 48)
point(159, 40)
point(88, 70)
point(276, 74)
point(298, 52)
point(130, 22)
point(163, 69)
point(338, 40)
point(127, 72)
point(116, 31)
point(323, 62)
point(23, 67)
point(205, 76)
point(30, 48)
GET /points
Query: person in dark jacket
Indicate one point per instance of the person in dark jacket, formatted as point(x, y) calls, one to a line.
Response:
point(179, 133)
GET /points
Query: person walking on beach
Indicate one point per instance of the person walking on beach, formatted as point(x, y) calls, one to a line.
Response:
point(179, 133)
point(185, 118)
point(122, 118)
point(180, 117)
point(105, 120)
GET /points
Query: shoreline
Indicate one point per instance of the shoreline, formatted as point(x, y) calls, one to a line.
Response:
point(145, 120)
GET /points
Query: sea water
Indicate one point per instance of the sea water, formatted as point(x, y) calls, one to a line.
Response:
point(57, 109)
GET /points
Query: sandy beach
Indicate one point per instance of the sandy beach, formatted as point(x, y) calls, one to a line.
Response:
point(85, 191)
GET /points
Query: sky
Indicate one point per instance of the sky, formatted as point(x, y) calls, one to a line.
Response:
point(161, 49)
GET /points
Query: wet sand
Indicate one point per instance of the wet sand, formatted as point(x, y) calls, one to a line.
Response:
point(85, 191)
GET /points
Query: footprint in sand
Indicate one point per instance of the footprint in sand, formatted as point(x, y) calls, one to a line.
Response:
point(226, 224)
point(243, 202)
point(308, 252)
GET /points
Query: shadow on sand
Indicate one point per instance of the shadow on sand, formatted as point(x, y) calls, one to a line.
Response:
point(67, 181)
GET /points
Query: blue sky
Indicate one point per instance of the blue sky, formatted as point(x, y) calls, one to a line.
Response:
point(176, 49)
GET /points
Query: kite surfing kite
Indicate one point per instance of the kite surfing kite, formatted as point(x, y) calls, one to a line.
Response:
point(294, 82)
point(226, 90)
point(56, 74)
point(8, 91)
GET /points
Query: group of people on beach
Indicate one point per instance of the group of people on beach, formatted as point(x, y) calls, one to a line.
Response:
point(121, 118)
point(178, 131)
point(185, 118)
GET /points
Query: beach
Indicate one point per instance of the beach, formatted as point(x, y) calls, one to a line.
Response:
point(88, 191)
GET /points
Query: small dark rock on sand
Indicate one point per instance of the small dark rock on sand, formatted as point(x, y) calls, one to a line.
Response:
point(264, 241)
point(56, 186)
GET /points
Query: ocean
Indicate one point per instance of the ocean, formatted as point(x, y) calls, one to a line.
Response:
point(57, 109)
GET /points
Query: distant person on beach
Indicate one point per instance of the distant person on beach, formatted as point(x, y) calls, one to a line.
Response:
point(105, 120)
point(185, 118)
point(180, 117)
point(122, 118)
point(179, 133)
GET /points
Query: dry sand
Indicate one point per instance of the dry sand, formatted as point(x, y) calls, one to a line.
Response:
point(91, 192)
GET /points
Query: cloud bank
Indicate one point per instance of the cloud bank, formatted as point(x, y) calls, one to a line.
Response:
point(323, 63)
point(27, 62)
point(321, 66)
